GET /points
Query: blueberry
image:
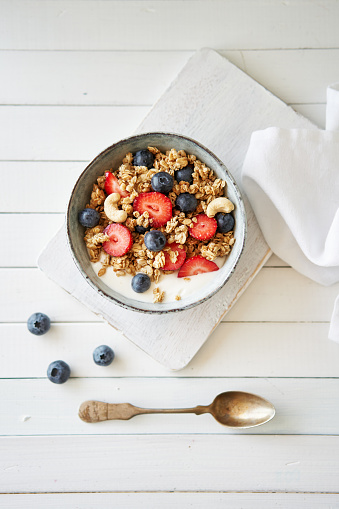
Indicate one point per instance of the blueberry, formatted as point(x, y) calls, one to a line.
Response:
point(38, 324)
point(186, 202)
point(225, 222)
point(155, 240)
point(89, 218)
point(58, 372)
point(141, 283)
point(103, 355)
point(143, 158)
point(141, 229)
point(162, 182)
point(185, 174)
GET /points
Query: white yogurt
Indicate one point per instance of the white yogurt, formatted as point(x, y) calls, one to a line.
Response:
point(169, 283)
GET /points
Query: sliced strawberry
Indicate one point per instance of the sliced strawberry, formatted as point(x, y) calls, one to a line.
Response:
point(157, 205)
point(112, 185)
point(197, 265)
point(120, 239)
point(204, 228)
point(180, 259)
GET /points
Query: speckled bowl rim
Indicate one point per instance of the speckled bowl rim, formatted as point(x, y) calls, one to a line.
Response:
point(132, 307)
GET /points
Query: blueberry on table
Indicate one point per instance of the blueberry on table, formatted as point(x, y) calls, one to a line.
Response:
point(89, 218)
point(185, 175)
point(186, 202)
point(141, 282)
point(143, 158)
point(162, 182)
point(38, 324)
point(225, 222)
point(155, 240)
point(103, 355)
point(141, 229)
point(58, 372)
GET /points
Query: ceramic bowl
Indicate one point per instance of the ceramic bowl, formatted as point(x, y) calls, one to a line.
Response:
point(112, 158)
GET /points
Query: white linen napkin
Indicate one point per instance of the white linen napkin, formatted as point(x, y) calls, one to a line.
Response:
point(291, 177)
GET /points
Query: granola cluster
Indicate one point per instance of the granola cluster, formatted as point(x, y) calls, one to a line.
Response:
point(137, 179)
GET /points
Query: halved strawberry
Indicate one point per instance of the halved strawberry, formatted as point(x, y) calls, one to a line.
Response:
point(157, 205)
point(112, 185)
point(204, 228)
point(197, 265)
point(180, 259)
point(120, 239)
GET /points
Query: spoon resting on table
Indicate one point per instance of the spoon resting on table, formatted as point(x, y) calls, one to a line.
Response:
point(234, 409)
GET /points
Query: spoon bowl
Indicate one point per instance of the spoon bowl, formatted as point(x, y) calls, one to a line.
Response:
point(233, 409)
point(237, 409)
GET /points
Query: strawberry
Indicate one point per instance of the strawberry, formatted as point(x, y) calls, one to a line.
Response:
point(157, 205)
point(204, 228)
point(112, 185)
point(197, 265)
point(180, 260)
point(120, 239)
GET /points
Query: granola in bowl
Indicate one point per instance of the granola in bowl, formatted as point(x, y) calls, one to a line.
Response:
point(147, 224)
point(165, 196)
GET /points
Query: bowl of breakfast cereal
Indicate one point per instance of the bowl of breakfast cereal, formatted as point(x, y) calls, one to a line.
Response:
point(156, 223)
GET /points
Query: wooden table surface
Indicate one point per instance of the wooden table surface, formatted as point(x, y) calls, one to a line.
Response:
point(77, 76)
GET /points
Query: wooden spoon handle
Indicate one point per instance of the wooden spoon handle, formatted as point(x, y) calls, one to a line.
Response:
point(97, 411)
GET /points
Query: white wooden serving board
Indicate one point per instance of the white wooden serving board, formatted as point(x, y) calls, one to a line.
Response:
point(215, 103)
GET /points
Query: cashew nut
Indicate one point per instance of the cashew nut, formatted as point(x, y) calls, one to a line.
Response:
point(219, 205)
point(111, 209)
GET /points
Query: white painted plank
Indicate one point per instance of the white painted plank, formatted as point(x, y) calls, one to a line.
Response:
point(28, 290)
point(42, 186)
point(70, 133)
point(233, 350)
point(64, 133)
point(314, 112)
point(38, 407)
point(276, 294)
point(152, 25)
point(169, 463)
point(170, 500)
point(295, 76)
point(283, 294)
point(268, 349)
point(34, 77)
point(115, 77)
point(28, 233)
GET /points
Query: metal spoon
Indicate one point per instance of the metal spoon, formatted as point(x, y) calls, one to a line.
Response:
point(234, 409)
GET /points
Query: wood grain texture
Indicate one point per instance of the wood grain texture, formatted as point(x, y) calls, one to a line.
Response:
point(100, 24)
point(288, 73)
point(284, 349)
point(55, 183)
point(35, 233)
point(303, 406)
point(174, 463)
point(96, 128)
point(169, 500)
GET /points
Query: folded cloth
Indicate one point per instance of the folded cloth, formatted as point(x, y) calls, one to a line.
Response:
point(291, 177)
